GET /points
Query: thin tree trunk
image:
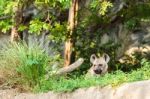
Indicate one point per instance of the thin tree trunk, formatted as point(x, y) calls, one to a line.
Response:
point(17, 21)
point(18, 18)
point(14, 34)
point(70, 43)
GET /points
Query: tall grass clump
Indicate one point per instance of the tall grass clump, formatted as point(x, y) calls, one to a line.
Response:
point(26, 63)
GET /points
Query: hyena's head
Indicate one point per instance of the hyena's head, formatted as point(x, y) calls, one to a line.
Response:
point(99, 64)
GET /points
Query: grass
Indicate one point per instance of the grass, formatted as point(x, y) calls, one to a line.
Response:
point(27, 66)
point(23, 64)
point(62, 84)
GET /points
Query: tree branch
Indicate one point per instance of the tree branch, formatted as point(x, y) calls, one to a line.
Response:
point(71, 67)
point(5, 17)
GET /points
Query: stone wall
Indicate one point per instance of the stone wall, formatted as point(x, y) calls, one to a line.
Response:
point(135, 90)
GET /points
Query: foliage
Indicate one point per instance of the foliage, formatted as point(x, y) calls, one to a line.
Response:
point(58, 30)
point(54, 3)
point(134, 14)
point(29, 63)
point(37, 26)
point(131, 24)
point(101, 6)
point(5, 26)
point(6, 10)
point(61, 84)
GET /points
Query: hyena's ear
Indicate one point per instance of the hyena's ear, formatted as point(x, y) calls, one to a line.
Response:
point(106, 57)
point(93, 57)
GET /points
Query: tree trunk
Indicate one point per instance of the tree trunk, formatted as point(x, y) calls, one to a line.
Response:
point(18, 18)
point(14, 34)
point(17, 21)
point(70, 43)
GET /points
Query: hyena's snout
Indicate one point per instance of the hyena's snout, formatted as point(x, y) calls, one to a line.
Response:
point(98, 71)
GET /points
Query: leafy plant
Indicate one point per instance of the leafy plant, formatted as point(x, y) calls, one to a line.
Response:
point(33, 63)
point(36, 26)
point(29, 62)
point(58, 30)
point(5, 26)
point(101, 6)
point(131, 24)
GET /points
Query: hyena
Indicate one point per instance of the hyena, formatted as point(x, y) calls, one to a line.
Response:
point(99, 64)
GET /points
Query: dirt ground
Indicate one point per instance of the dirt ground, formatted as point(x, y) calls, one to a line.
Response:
point(8, 94)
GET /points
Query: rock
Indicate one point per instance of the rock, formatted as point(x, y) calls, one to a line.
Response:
point(42, 41)
point(3, 39)
point(135, 90)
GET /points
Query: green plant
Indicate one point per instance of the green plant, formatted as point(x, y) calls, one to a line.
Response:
point(63, 84)
point(33, 63)
point(131, 24)
point(29, 62)
point(101, 6)
point(36, 26)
